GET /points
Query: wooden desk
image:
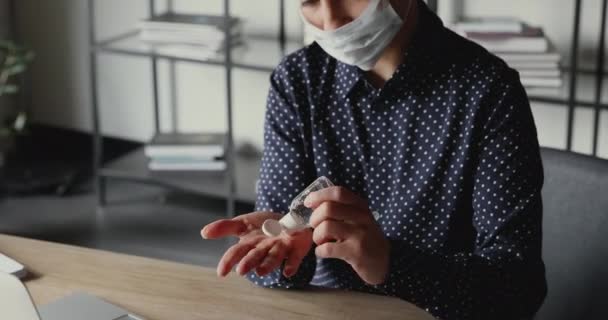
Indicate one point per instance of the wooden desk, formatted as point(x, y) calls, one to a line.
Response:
point(160, 290)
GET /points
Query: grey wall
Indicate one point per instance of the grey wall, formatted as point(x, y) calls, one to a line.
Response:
point(57, 30)
point(3, 18)
point(61, 74)
point(5, 102)
point(556, 17)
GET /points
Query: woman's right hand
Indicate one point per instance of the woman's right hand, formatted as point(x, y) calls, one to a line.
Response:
point(255, 250)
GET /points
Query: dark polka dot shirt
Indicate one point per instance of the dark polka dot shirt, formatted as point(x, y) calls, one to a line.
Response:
point(446, 151)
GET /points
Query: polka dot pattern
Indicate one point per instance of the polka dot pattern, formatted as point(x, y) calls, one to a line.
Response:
point(446, 151)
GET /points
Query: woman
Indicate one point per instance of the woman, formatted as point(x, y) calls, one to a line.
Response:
point(412, 121)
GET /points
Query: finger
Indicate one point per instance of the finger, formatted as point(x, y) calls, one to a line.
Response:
point(232, 256)
point(223, 228)
point(254, 257)
point(256, 219)
point(332, 231)
point(339, 212)
point(335, 194)
point(237, 226)
point(335, 250)
point(295, 256)
point(273, 259)
point(292, 263)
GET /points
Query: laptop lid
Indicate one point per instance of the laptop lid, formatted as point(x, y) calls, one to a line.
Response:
point(16, 304)
point(80, 305)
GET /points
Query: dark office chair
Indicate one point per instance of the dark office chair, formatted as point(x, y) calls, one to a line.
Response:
point(575, 237)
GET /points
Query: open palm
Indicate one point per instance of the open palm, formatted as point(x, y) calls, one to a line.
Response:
point(255, 250)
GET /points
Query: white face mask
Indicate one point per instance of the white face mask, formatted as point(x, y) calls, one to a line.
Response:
point(361, 42)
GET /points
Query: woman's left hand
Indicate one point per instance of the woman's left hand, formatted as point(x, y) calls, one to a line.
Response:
point(345, 228)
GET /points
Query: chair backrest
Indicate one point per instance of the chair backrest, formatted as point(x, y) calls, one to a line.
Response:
point(575, 236)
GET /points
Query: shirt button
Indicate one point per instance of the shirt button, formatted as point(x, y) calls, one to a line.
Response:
point(376, 215)
point(374, 163)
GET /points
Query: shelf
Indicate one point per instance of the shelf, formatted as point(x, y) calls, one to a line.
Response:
point(134, 167)
point(585, 92)
point(256, 53)
point(263, 54)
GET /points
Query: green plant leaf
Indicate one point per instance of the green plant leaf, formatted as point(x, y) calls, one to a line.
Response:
point(15, 69)
point(8, 45)
point(8, 89)
point(5, 132)
point(14, 60)
point(22, 57)
point(20, 122)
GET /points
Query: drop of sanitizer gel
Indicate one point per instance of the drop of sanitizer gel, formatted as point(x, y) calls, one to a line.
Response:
point(298, 217)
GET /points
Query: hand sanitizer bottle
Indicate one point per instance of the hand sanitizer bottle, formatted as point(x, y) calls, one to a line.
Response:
point(299, 215)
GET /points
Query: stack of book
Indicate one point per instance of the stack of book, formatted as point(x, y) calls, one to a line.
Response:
point(523, 47)
point(205, 32)
point(187, 152)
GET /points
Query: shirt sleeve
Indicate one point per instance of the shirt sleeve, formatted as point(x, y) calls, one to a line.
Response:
point(285, 171)
point(502, 277)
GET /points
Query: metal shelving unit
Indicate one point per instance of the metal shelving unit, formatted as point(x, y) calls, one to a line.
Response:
point(257, 54)
point(593, 86)
point(583, 88)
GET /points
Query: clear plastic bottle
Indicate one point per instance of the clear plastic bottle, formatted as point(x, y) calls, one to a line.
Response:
point(298, 217)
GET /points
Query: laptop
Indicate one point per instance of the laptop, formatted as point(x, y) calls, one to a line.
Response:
point(16, 304)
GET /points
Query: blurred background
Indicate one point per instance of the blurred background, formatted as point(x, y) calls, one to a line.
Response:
point(132, 126)
point(60, 77)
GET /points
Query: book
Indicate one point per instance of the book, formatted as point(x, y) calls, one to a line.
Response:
point(207, 30)
point(194, 145)
point(530, 41)
point(490, 24)
point(515, 45)
point(217, 165)
point(547, 73)
point(184, 159)
point(533, 65)
point(528, 31)
point(545, 57)
point(543, 82)
point(522, 47)
point(190, 22)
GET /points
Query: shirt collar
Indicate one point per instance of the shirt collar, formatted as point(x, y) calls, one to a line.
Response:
point(347, 76)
